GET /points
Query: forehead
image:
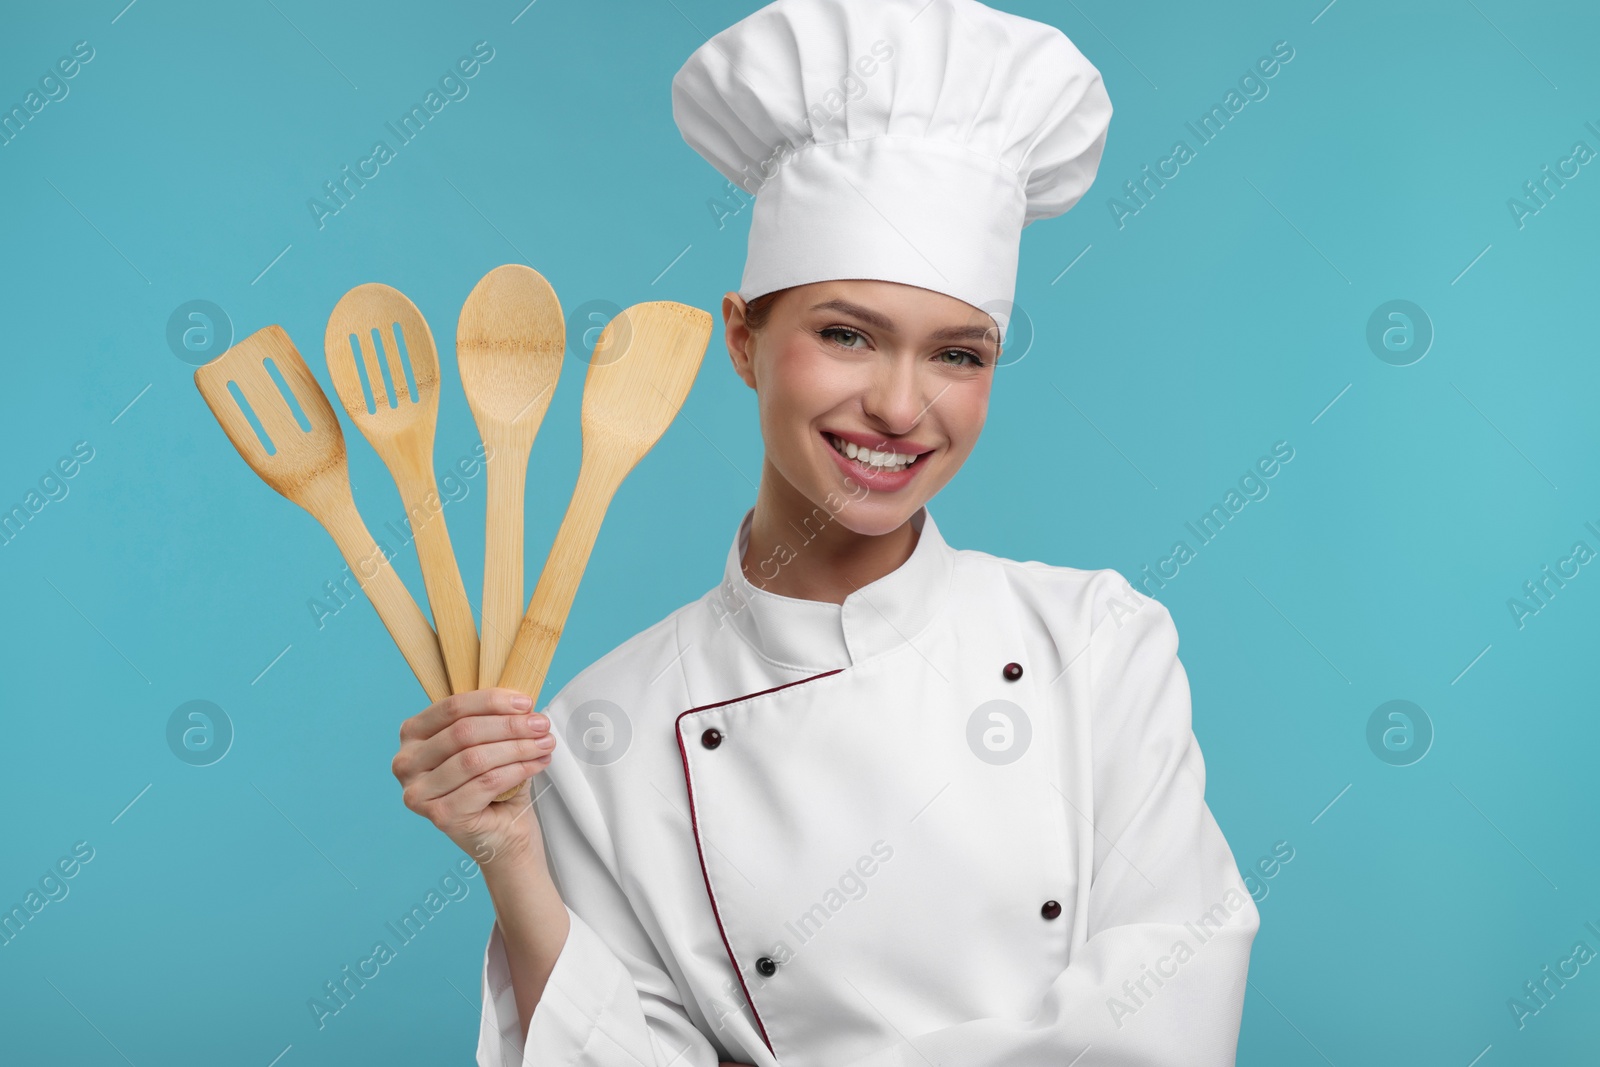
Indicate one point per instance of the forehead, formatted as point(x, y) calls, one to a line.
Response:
point(894, 307)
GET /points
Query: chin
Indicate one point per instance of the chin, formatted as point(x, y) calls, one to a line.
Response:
point(874, 515)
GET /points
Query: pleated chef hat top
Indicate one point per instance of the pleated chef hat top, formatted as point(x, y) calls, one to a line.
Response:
point(901, 140)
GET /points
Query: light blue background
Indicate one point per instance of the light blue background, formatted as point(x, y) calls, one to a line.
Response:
point(1229, 314)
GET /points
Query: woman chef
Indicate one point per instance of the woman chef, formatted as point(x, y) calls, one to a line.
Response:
point(872, 800)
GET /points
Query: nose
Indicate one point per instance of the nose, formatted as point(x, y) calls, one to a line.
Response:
point(895, 398)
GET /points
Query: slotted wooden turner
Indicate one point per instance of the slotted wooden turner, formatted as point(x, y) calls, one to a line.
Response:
point(639, 375)
point(310, 468)
point(401, 431)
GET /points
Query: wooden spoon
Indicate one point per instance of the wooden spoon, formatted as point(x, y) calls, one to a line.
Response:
point(309, 467)
point(401, 430)
point(509, 343)
point(639, 375)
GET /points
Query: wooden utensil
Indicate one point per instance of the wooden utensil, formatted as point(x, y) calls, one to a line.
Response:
point(509, 342)
point(639, 375)
point(309, 467)
point(401, 428)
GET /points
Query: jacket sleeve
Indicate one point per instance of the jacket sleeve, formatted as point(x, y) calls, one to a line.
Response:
point(1160, 979)
point(609, 1001)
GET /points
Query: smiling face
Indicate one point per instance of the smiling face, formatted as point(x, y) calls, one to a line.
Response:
point(886, 371)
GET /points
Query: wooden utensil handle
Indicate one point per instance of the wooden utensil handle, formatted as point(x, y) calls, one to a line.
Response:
point(535, 647)
point(546, 617)
point(396, 607)
point(447, 596)
point(503, 602)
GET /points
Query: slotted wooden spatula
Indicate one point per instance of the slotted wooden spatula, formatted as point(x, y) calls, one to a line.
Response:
point(401, 429)
point(639, 375)
point(509, 342)
point(309, 467)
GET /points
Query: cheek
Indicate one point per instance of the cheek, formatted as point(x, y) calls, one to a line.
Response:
point(801, 386)
point(965, 414)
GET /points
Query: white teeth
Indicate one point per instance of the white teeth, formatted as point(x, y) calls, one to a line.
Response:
point(885, 461)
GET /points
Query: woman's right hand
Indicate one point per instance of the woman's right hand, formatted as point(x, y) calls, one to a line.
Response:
point(457, 755)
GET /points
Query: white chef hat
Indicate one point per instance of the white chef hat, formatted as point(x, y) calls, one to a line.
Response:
point(901, 140)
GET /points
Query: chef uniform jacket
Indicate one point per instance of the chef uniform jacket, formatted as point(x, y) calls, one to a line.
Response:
point(958, 819)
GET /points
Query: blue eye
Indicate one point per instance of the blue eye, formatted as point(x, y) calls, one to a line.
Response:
point(831, 332)
point(977, 360)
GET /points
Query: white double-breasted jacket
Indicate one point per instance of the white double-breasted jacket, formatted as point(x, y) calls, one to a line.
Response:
point(958, 819)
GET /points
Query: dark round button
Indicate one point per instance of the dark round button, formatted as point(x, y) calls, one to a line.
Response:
point(1012, 672)
point(766, 967)
point(1050, 910)
point(711, 738)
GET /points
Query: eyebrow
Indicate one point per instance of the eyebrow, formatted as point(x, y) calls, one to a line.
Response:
point(883, 322)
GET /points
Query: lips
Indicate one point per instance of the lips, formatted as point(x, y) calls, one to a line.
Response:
point(879, 443)
point(878, 479)
point(881, 461)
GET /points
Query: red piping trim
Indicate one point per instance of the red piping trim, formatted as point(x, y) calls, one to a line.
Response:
point(700, 853)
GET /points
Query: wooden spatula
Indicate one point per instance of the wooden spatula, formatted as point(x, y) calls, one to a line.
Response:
point(509, 342)
point(401, 429)
point(639, 375)
point(309, 467)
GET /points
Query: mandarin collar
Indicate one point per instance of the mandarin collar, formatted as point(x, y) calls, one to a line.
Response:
point(817, 635)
